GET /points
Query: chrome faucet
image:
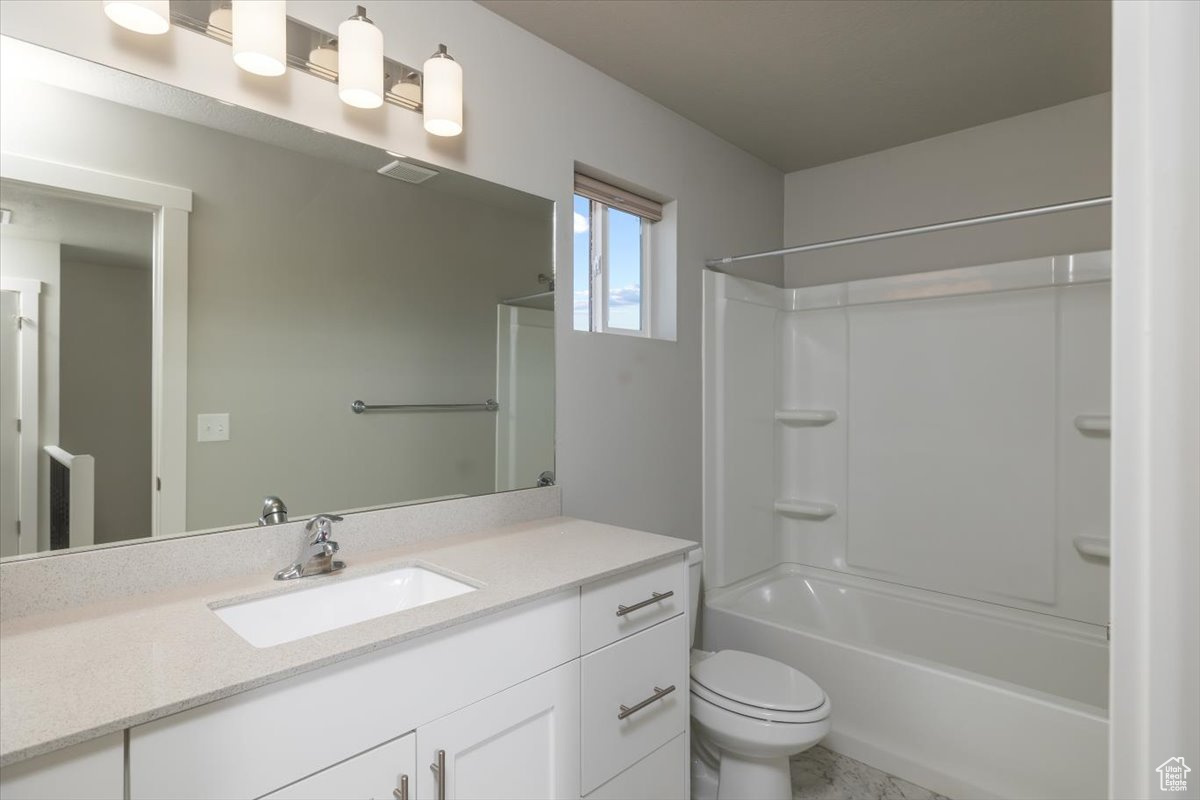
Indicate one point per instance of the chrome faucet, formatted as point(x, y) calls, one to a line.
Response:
point(317, 556)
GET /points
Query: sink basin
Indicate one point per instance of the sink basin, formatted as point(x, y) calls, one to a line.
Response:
point(281, 618)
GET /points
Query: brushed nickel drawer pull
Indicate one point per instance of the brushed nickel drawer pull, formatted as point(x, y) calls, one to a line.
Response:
point(439, 769)
point(402, 792)
point(659, 694)
point(651, 600)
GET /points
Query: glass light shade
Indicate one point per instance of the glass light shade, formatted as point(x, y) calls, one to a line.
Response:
point(443, 95)
point(220, 23)
point(260, 36)
point(360, 63)
point(140, 16)
point(325, 57)
point(408, 88)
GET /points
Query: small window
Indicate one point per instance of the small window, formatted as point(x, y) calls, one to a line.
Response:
point(613, 230)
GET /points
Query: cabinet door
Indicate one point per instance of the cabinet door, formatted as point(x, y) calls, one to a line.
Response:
point(93, 770)
point(520, 744)
point(382, 773)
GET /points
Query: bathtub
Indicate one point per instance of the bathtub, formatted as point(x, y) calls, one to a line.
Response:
point(968, 699)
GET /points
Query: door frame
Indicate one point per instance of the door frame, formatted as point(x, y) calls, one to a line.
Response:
point(29, 317)
point(1154, 679)
point(170, 207)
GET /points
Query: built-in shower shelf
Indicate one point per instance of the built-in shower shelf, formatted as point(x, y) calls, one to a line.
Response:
point(806, 509)
point(1093, 546)
point(1098, 424)
point(806, 416)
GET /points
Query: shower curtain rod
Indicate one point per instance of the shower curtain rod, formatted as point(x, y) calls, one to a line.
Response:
point(896, 234)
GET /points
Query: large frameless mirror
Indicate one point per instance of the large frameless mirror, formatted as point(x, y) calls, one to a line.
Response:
point(204, 306)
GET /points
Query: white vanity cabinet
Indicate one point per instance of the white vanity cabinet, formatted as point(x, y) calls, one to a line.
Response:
point(255, 743)
point(580, 694)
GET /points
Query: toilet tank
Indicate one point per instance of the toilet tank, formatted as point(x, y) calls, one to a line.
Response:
point(695, 567)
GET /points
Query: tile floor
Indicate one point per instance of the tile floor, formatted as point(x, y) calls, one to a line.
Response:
point(820, 774)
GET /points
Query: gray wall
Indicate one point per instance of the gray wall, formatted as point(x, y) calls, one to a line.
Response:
point(1049, 156)
point(311, 284)
point(104, 388)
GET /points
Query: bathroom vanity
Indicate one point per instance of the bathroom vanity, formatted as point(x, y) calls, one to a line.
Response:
point(562, 673)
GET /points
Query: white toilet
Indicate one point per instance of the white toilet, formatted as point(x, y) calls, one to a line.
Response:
point(749, 715)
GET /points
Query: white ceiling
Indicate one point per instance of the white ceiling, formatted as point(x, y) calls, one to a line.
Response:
point(806, 83)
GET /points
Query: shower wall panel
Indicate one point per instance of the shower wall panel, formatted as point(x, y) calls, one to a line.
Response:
point(944, 430)
point(952, 443)
point(739, 406)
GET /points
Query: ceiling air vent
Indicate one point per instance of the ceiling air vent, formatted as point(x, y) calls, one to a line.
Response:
point(409, 173)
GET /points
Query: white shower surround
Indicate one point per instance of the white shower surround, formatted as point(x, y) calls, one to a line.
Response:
point(917, 564)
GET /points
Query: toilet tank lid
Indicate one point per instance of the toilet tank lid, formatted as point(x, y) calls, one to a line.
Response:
point(758, 681)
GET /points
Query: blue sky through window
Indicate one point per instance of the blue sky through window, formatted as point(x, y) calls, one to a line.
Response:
point(624, 270)
point(582, 219)
point(624, 248)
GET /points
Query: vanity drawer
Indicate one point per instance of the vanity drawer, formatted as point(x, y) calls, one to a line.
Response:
point(627, 673)
point(602, 619)
point(662, 775)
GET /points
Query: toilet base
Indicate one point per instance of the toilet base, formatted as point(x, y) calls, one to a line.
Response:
point(754, 778)
point(704, 780)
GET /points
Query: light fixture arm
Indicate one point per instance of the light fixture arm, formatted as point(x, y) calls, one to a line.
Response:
point(442, 53)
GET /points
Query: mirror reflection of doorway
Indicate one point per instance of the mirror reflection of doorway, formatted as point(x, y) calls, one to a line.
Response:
point(525, 389)
point(92, 262)
point(10, 412)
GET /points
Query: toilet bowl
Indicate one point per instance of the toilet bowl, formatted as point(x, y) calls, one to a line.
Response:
point(750, 714)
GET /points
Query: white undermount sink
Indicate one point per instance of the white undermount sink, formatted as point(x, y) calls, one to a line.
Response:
point(280, 618)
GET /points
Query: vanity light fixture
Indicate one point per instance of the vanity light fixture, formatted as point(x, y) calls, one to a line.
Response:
point(140, 16)
point(443, 94)
point(260, 36)
point(360, 62)
point(267, 42)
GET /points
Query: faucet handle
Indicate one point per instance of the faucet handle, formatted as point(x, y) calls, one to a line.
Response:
point(323, 523)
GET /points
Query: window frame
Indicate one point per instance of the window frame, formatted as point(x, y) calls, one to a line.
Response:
point(599, 272)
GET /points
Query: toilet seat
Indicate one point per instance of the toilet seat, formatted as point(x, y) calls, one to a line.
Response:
point(752, 737)
point(701, 692)
point(758, 687)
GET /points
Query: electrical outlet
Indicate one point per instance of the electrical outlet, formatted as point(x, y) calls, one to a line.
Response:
point(212, 427)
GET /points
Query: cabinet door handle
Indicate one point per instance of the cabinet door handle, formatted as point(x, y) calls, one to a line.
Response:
point(651, 600)
point(439, 769)
point(402, 792)
point(659, 694)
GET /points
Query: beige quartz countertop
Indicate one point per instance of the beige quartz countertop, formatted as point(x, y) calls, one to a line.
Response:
point(69, 676)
